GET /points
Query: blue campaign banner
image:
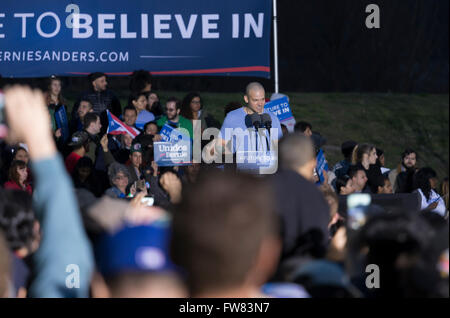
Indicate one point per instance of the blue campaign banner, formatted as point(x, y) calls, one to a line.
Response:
point(321, 166)
point(170, 154)
point(281, 108)
point(169, 133)
point(170, 37)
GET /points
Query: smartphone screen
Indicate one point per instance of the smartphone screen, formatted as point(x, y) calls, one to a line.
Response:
point(148, 201)
point(357, 208)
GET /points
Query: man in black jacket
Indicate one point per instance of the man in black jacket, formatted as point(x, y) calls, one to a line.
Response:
point(301, 206)
point(100, 98)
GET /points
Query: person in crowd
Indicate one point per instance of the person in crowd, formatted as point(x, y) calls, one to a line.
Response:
point(18, 175)
point(297, 196)
point(192, 108)
point(384, 185)
point(121, 150)
point(58, 113)
point(381, 162)
point(80, 145)
point(227, 243)
point(140, 81)
point(358, 176)
point(408, 264)
point(232, 106)
point(135, 263)
point(154, 105)
point(304, 128)
point(239, 123)
point(341, 168)
point(5, 269)
point(344, 185)
point(139, 102)
point(333, 203)
point(365, 155)
point(101, 99)
point(191, 173)
point(76, 123)
point(135, 167)
point(174, 118)
point(28, 121)
point(445, 194)
point(151, 128)
point(130, 116)
point(430, 200)
point(84, 177)
point(21, 229)
point(119, 177)
point(92, 126)
point(20, 153)
point(401, 178)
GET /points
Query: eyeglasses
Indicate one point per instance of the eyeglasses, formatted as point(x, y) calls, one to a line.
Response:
point(170, 110)
point(120, 177)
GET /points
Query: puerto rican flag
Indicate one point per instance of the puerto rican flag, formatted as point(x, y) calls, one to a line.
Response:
point(117, 127)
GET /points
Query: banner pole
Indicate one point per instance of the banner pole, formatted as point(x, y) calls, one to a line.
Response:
point(275, 44)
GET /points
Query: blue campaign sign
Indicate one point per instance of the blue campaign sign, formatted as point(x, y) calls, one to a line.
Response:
point(281, 108)
point(169, 133)
point(321, 166)
point(169, 154)
point(170, 37)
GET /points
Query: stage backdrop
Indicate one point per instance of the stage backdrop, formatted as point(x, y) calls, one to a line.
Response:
point(166, 37)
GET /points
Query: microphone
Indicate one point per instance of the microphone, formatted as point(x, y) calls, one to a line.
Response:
point(254, 120)
point(267, 122)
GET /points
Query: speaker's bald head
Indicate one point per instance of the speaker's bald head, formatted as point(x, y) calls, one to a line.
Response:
point(253, 86)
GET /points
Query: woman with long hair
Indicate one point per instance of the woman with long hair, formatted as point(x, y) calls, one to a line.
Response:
point(18, 175)
point(365, 155)
point(192, 108)
point(56, 106)
point(154, 105)
point(423, 184)
point(139, 102)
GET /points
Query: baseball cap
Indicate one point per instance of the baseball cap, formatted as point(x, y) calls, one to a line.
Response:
point(135, 248)
point(79, 138)
point(136, 148)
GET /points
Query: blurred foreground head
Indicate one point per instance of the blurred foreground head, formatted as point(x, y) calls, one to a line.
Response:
point(134, 263)
point(225, 235)
point(411, 251)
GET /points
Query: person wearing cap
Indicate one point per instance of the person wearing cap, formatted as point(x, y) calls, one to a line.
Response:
point(100, 97)
point(134, 262)
point(135, 163)
point(80, 144)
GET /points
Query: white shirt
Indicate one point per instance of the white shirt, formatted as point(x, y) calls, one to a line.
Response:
point(440, 209)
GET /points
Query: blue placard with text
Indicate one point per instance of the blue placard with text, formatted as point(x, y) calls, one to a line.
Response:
point(169, 154)
point(321, 166)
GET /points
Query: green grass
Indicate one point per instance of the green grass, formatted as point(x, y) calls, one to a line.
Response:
point(390, 121)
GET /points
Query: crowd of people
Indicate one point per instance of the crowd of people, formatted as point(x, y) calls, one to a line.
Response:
point(88, 213)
